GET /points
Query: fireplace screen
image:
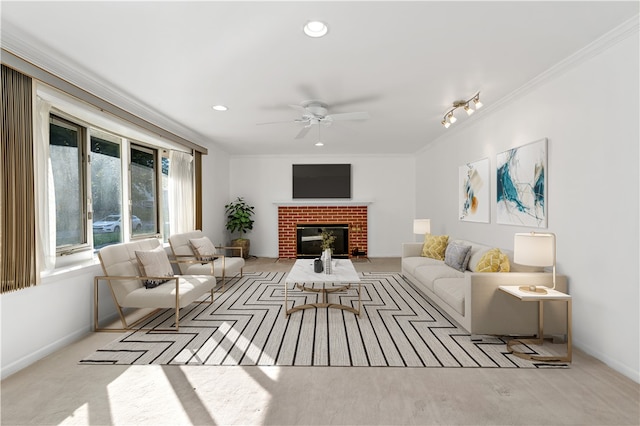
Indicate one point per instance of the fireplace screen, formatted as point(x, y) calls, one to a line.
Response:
point(309, 240)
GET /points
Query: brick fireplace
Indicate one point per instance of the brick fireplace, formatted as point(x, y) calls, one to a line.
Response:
point(291, 216)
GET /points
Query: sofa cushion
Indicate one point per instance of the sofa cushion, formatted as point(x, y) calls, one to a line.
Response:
point(493, 261)
point(428, 274)
point(435, 246)
point(476, 253)
point(457, 256)
point(451, 290)
point(409, 264)
point(154, 263)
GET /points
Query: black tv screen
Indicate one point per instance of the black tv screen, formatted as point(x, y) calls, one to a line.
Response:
point(322, 181)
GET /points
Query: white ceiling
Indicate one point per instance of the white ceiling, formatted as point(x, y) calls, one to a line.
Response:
point(403, 62)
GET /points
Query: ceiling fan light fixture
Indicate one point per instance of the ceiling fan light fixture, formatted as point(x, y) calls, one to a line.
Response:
point(452, 119)
point(476, 102)
point(319, 143)
point(315, 29)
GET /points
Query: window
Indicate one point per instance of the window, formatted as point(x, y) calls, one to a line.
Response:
point(165, 196)
point(67, 165)
point(106, 188)
point(83, 157)
point(144, 178)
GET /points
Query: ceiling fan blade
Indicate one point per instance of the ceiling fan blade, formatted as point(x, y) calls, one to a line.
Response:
point(303, 132)
point(299, 108)
point(348, 116)
point(274, 122)
point(358, 100)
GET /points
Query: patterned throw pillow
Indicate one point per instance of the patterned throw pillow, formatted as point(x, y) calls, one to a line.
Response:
point(493, 261)
point(435, 246)
point(457, 256)
point(203, 248)
point(154, 263)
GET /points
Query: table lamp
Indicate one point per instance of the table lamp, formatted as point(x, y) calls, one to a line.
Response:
point(535, 249)
point(422, 226)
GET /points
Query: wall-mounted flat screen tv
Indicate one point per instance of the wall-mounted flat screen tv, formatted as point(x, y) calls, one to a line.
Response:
point(321, 181)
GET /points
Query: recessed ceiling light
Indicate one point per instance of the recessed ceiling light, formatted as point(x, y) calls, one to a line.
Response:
point(220, 107)
point(315, 28)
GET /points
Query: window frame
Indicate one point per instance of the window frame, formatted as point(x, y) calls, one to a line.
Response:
point(83, 169)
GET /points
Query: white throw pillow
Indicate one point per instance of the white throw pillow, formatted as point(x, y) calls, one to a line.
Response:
point(203, 248)
point(154, 263)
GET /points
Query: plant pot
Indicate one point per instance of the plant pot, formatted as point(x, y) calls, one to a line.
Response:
point(245, 243)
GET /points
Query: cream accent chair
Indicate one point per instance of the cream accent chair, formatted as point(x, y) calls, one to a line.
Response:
point(123, 274)
point(222, 267)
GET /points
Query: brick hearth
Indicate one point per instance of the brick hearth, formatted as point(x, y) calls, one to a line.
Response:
point(291, 216)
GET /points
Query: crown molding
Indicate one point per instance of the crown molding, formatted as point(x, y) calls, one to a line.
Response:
point(23, 46)
point(625, 30)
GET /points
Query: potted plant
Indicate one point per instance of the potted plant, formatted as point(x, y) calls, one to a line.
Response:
point(239, 219)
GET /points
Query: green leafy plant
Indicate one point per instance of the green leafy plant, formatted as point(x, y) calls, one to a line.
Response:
point(327, 240)
point(239, 216)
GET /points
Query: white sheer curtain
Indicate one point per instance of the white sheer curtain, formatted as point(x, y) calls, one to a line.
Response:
point(45, 192)
point(181, 193)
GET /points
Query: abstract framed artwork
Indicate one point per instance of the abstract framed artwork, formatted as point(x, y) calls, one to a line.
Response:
point(473, 198)
point(521, 185)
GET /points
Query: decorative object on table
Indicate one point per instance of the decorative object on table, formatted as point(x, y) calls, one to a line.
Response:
point(473, 192)
point(535, 249)
point(521, 187)
point(327, 246)
point(317, 265)
point(240, 219)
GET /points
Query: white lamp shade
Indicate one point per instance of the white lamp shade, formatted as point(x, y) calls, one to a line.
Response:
point(534, 249)
point(422, 226)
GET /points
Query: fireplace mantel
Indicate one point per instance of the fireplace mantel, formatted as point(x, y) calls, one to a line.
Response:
point(322, 203)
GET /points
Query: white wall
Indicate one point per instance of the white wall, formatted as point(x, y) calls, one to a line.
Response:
point(215, 194)
point(590, 115)
point(387, 182)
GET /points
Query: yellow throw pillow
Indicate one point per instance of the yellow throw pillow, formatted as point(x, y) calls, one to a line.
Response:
point(493, 261)
point(435, 246)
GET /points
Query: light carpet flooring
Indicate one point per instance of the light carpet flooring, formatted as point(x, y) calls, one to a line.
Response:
point(57, 390)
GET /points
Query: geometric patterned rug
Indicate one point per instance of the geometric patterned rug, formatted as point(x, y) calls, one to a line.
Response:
point(399, 327)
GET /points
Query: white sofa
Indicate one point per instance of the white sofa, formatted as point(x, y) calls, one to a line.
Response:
point(473, 299)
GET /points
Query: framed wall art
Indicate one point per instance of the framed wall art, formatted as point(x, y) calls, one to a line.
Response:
point(473, 192)
point(521, 185)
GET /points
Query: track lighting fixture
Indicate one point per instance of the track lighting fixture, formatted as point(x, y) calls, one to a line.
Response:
point(470, 106)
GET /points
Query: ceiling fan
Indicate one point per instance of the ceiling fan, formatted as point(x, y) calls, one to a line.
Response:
point(316, 113)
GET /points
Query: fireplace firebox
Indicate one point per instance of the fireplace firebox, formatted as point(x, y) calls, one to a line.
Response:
point(309, 240)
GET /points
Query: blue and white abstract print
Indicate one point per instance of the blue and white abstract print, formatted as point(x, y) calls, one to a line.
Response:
point(521, 185)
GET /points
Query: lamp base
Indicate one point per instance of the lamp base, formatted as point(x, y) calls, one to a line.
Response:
point(533, 289)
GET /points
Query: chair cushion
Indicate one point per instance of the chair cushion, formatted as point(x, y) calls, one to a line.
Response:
point(154, 263)
point(435, 246)
point(203, 248)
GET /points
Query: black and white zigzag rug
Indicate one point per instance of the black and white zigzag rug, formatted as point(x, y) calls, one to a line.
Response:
point(246, 325)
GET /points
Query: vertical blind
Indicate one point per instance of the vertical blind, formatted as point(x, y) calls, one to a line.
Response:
point(17, 208)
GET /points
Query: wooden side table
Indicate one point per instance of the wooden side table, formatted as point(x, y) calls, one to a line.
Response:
point(526, 296)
